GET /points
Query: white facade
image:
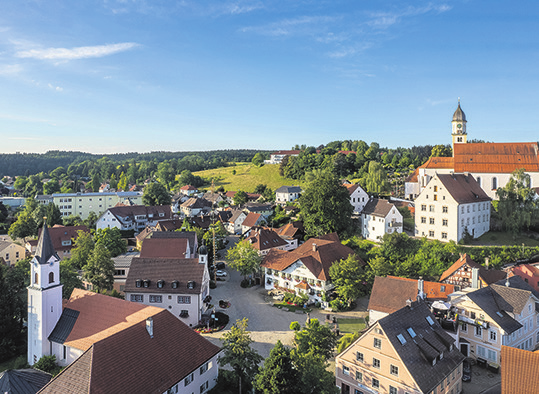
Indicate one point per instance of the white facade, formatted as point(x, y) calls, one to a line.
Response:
point(200, 380)
point(376, 226)
point(287, 194)
point(109, 220)
point(82, 204)
point(359, 199)
point(234, 227)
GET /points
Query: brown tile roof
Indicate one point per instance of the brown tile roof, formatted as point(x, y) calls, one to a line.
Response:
point(496, 157)
point(130, 211)
point(351, 188)
point(262, 238)
point(188, 187)
point(251, 219)
point(167, 270)
point(169, 225)
point(172, 248)
point(413, 176)
point(250, 196)
point(131, 361)
point(439, 162)
point(201, 221)
point(291, 230)
point(195, 202)
point(191, 237)
point(378, 207)
point(317, 254)
point(463, 188)
point(58, 234)
point(520, 369)
point(488, 276)
point(102, 316)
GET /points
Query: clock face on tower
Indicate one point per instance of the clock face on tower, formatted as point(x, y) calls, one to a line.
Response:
point(459, 126)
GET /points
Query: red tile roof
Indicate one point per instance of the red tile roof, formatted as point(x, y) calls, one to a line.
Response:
point(520, 369)
point(59, 234)
point(262, 238)
point(487, 276)
point(251, 219)
point(165, 248)
point(188, 187)
point(496, 157)
point(291, 230)
point(438, 162)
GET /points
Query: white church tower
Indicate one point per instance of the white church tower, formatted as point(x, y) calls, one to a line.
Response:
point(458, 126)
point(44, 297)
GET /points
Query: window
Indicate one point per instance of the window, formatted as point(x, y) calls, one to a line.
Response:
point(203, 386)
point(444, 222)
point(442, 288)
point(184, 299)
point(494, 183)
point(377, 343)
point(464, 327)
point(156, 298)
point(444, 235)
point(431, 233)
point(423, 207)
point(137, 298)
point(435, 188)
point(204, 368)
point(138, 283)
point(184, 313)
point(491, 355)
point(65, 352)
point(359, 356)
point(492, 336)
point(478, 331)
point(345, 370)
point(375, 363)
point(431, 220)
point(394, 370)
point(359, 376)
point(392, 390)
point(51, 277)
point(478, 179)
point(472, 315)
point(423, 219)
point(431, 208)
point(375, 383)
point(435, 197)
point(189, 379)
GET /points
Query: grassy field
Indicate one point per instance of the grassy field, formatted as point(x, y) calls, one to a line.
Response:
point(495, 238)
point(351, 325)
point(247, 177)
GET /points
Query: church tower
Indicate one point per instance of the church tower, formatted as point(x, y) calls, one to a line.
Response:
point(44, 297)
point(458, 126)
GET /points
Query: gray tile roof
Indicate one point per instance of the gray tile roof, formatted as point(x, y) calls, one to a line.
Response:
point(64, 326)
point(429, 343)
point(463, 188)
point(377, 207)
point(45, 249)
point(288, 189)
point(23, 381)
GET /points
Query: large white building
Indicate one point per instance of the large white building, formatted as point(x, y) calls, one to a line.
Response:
point(380, 217)
point(449, 205)
point(491, 164)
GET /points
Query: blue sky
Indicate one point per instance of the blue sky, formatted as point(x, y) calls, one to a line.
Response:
point(107, 76)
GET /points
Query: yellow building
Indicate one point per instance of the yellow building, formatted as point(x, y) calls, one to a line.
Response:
point(407, 352)
point(82, 204)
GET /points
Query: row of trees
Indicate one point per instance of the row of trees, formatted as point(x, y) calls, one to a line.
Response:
point(300, 369)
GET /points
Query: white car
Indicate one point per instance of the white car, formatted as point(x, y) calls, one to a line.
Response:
point(221, 273)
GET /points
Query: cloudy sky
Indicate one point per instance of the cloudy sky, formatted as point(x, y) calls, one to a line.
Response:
point(108, 76)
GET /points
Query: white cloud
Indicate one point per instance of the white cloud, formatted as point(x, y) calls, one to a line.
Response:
point(56, 88)
point(10, 69)
point(301, 25)
point(76, 53)
point(383, 20)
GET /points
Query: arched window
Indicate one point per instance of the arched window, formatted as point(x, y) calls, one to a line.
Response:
point(35, 278)
point(51, 277)
point(494, 183)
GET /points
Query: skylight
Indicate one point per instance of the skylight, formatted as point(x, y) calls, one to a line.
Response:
point(429, 319)
point(411, 332)
point(401, 339)
point(499, 313)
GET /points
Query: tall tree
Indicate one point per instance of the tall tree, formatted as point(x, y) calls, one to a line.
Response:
point(325, 206)
point(238, 353)
point(24, 226)
point(12, 310)
point(244, 258)
point(99, 270)
point(111, 238)
point(240, 198)
point(54, 216)
point(314, 375)
point(279, 374)
point(441, 151)
point(155, 194)
point(349, 277)
point(122, 183)
point(315, 338)
point(83, 247)
point(70, 278)
point(376, 179)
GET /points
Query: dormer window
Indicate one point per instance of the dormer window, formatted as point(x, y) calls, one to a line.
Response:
point(146, 283)
point(138, 283)
point(175, 284)
point(160, 284)
point(191, 284)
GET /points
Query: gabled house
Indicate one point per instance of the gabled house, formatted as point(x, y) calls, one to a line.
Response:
point(169, 225)
point(265, 239)
point(520, 369)
point(293, 233)
point(62, 237)
point(170, 248)
point(358, 197)
point(11, 252)
point(176, 201)
point(180, 285)
point(233, 225)
point(264, 209)
point(190, 236)
point(122, 264)
point(251, 220)
point(214, 198)
point(188, 190)
point(405, 352)
point(195, 206)
point(391, 293)
point(134, 217)
point(380, 217)
point(251, 197)
point(305, 269)
point(464, 272)
point(286, 194)
point(504, 313)
point(451, 205)
point(529, 273)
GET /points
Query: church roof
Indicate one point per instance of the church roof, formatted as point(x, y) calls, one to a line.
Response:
point(438, 162)
point(45, 249)
point(459, 115)
point(496, 157)
point(23, 381)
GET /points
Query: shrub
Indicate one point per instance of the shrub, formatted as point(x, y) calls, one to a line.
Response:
point(213, 284)
point(288, 297)
point(244, 283)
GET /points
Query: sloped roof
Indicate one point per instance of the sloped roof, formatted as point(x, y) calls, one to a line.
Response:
point(164, 248)
point(262, 238)
point(130, 361)
point(496, 157)
point(317, 254)
point(45, 249)
point(352, 187)
point(188, 187)
point(195, 202)
point(389, 294)
point(251, 219)
point(169, 225)
point(287, 152)
point(23, 381)
point(291, 230)
point(191, 237)
point(519, 371)
point(378, 207)
point(167, 270)
point(235, 215)
point(463, 188)
point(413, 176)
point(417, 353)
point(288, 189)
point(458, 115)
point(488, 276)
point(439, 162)
point(58, 234)
point(130, 211)
point(102, 316)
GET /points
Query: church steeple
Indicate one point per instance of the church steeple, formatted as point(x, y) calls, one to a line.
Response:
point(45, 249)
point(458, 126)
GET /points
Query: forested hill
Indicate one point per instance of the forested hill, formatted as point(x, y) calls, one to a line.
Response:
point(33, 163)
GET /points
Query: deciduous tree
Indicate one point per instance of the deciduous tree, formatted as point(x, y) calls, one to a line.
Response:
point(279, 374)
point(99, 270)
point(348, 276)
point(240, 198)
point(111, 238)
point(316, 338)
point(244, 258)
point(155, 194)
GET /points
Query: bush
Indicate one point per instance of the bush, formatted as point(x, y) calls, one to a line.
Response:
point(289, 297)
point(338, 305)
point(48, 364)
point(244, 283)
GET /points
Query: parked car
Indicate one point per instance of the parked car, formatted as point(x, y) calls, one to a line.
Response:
point(220, 265)
point(221, 273)
point(466, 371)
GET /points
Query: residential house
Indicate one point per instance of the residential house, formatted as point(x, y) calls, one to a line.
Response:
point(214, 198)
point(380, 217)
point(358, 197)
point(122, 264)
point(63, 239)
point(293, 233)
point(251, 197)
point(179, 285)
point(190, 236)
point(520, 369)
point(135, 217)
point(13, 202)
point(177, 200)
point(286, 194)
point(233, 225)
point(529, 273)
point(264, 209)
point(202, 221)
point(450, 206)
point(277, 157)
point(305, 269)
point(491, 164)
point(461, 274)
point(10, 252)
point(195, 206)
point(169, 225)
point(170, 248)
point(96, 336)
point(188, 190)
point(252, 219)
point(391, 293)
point(82, 204)
point(265, 239)
point(504, 313)
point(405, 352)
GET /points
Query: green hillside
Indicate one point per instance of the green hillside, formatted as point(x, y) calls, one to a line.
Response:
point(247, 177)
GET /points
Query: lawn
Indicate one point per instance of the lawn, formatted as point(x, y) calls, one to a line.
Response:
point(495, 238)
point(247, 177)
point(351, 325)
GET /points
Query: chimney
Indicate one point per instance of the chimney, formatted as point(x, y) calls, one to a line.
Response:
point(149, 326)
point(420, 289)
point(507, 281)
point(409, 303)
point(475, 278)
point(314, 247)
point(486, 262)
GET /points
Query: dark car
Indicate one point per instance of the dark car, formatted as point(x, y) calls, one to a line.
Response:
point(466, 371)
point(220, 266)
